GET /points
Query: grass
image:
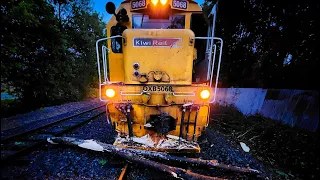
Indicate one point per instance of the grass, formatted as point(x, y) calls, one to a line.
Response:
point(10, 107)
point(288, 152)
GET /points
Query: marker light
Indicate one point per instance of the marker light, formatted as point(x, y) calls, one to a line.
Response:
point(163, 2)
point(110, 93)
point(154, 2)
point(205, 94)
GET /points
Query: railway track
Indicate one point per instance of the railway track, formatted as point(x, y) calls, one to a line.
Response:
point(21, 140)
point(26, 139)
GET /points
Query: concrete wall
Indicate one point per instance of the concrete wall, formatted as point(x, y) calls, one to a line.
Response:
point(298, 108)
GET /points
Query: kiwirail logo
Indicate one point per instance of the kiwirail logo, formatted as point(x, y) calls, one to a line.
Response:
point(157, 42)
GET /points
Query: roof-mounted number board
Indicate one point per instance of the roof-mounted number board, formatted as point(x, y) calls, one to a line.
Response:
point(138, 4)
point(179, 4)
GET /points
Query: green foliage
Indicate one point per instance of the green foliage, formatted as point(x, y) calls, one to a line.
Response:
point(19, 143)
point(259, 35)
point(102, 162)
point(272, 142)
point(44, 61)
point(10, 107)
point(93, 93)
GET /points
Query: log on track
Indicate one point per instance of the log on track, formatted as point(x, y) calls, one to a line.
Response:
point(136, 156)
point(192, 161)
point(129, 156)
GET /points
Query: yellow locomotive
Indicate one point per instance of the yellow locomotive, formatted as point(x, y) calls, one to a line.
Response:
point(156, 67)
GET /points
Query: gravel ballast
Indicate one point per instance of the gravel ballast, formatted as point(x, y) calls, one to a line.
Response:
point(63, 162)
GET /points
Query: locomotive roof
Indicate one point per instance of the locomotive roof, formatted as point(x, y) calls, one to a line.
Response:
point(190, 1)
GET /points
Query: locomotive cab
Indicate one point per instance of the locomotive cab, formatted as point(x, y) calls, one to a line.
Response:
point(149, 58)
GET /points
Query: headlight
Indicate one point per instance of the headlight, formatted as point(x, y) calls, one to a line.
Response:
point(205, 94)
point(163, 2)
point(110, 93)
point(154, 2)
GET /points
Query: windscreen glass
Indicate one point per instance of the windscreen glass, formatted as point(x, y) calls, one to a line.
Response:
point(142, 21)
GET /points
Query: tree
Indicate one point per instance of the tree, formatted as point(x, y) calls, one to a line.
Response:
point(30, 49)
point(269, 44)
point(82, 28)
point(46, 63)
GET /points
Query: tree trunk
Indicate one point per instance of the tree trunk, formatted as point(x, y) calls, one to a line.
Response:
point(129, 156)
point(98, 146)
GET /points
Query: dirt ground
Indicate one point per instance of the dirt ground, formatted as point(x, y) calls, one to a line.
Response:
point(287, 152)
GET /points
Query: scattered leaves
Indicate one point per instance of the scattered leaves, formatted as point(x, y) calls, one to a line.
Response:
point(102, 162)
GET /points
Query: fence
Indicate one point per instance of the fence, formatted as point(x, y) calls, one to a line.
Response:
point(298, 108)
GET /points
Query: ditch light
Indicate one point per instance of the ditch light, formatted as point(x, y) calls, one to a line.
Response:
point(205, 94)
point(110, 93)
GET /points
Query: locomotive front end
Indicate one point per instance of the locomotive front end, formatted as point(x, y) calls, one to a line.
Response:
point(147, 85)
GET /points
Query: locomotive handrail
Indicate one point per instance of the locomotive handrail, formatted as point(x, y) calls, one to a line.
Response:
point(212, 65)
point(126, 93)
point(123, 93)
point(218, 70)
point(184, 93)
point(209, 64)
point(104, 59)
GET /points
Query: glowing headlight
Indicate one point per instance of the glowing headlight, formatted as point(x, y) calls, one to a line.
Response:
point(110, 93)
point(205, 94)
point(163, 2)
point(154, 2)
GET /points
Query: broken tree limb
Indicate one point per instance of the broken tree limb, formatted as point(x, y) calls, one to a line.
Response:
point(192, 161)
point(245, 132)
point(253, 137)
point(129, 156)
point(164, 157)
point(196, 162)
point(178, 160)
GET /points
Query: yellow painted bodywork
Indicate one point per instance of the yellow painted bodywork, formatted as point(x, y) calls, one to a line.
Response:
point(177, 63)
point(143, 107)
point(159, 59)
point(116, 60)
point(142, 113)
point(135, 94)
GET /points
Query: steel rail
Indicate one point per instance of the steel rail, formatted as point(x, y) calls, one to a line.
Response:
point(28, 148)
point(5, 138)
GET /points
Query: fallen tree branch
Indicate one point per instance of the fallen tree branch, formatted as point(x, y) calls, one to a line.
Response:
point(129, 156)
point(192, 161)
point(178, 160)
point(253, 137)
point(245, 133)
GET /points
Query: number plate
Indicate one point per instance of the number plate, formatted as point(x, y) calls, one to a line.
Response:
point(180, 4)
point(157, 88)
point(137, 4)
